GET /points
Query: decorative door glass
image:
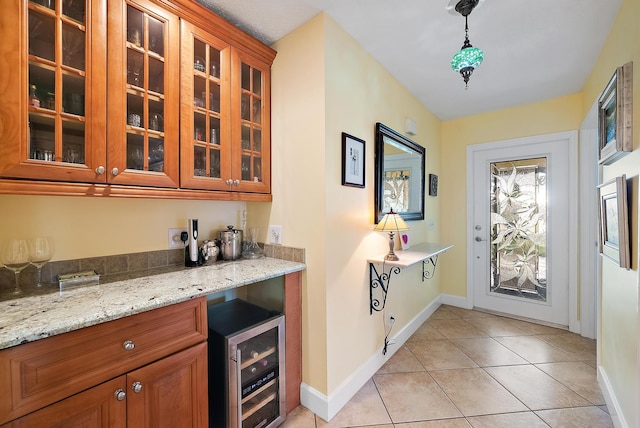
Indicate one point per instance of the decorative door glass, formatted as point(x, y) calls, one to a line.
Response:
point(519, 228)
point(145, 91)
point(206, 106)
point(251, 123)
point(57, 36)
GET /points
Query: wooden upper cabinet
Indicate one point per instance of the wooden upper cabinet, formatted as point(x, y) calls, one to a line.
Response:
point(204, 110)
point(250, 123)
point(225, 116)
point(53, 94)
point(143, 80)
point(176, 107)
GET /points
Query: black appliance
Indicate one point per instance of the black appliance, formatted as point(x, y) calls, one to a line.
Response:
point(246, 366)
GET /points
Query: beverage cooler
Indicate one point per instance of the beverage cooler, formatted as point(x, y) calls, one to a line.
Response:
point(246, 366)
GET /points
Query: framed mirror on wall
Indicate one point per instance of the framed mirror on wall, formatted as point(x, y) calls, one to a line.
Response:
point(399, 175)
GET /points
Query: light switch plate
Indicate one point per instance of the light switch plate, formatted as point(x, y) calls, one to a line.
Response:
point(275, 234)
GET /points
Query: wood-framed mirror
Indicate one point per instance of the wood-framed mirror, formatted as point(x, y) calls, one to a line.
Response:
point(399, 175)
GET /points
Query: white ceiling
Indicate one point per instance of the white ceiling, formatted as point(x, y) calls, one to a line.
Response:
point(534, 49)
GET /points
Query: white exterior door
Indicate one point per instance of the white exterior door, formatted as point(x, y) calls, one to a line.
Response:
point(521, 230)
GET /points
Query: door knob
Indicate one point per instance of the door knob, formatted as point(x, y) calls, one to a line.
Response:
point(479, 239)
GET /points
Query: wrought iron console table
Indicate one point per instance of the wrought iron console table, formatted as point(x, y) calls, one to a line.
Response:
point(425, 253)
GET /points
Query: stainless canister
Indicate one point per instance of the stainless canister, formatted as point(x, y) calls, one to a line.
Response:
point(230, 243)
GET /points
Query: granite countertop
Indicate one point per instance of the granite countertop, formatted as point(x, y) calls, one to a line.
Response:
point(31, 318)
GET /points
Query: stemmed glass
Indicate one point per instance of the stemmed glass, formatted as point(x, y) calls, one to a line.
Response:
point(40, 251)
point(15, 257)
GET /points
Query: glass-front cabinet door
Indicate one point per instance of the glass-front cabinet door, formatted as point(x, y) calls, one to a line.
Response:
point(143, 95)
point(250, 126)
point(205, 134)
point(58, 86)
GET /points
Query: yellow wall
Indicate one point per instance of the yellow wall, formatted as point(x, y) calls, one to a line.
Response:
point(546, 117)
point(619, 317)
point(298, 177)
point(89, 227)
point(324, 84)
point(359, 93)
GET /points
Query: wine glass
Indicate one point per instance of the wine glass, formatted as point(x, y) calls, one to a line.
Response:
point(15, 256)
point(40, 251)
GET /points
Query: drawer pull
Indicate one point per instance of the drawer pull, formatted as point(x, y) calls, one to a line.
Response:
point(136, 387)
point(120, 394)
point(128, 345)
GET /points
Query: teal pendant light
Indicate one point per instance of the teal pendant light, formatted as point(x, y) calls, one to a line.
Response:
point(467, 58)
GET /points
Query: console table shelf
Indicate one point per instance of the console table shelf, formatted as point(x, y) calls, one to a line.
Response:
point(426, 253)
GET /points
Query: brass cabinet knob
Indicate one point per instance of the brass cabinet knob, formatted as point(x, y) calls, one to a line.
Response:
point(100, 170)
point(115, 171)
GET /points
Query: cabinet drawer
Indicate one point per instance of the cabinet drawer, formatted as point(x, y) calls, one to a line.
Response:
point(39, 373)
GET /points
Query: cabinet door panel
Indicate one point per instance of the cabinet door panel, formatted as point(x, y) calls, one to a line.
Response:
point(171, 393)
point(143, 94)
point(94, 408)
point(54, 115)
point(39, 373)
point(251, 119)
point(205, 135)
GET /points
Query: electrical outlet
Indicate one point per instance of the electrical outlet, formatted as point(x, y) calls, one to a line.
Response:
point(174, 237)
point(392, 320)
point(275, 234)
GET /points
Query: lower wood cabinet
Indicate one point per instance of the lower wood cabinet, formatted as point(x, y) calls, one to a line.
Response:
point(145, 370)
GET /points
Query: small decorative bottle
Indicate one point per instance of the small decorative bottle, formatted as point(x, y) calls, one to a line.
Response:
point(33, 98)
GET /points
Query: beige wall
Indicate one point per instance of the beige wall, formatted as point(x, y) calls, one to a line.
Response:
point(619, 348)
point(555, 115)
point(325, 84)
point(88, 227)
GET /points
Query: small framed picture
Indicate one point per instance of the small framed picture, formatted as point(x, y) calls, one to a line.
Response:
point(615, 116)
point(614, 222)
point(404, 240)
point(433, 185)
point(352, 161)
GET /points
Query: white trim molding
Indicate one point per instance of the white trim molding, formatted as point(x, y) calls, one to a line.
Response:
point(328, 406)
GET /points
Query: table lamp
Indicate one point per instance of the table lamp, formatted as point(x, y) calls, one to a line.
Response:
point(391, 222)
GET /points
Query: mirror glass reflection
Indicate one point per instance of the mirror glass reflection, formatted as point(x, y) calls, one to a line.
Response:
point(399, 175)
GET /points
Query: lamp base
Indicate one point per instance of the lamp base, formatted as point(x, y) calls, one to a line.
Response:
point(391, 256)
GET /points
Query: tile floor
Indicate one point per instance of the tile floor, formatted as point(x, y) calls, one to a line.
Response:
point(465, 368)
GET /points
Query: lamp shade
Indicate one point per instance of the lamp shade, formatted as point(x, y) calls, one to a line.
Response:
point(467, 57)
point(391, 222)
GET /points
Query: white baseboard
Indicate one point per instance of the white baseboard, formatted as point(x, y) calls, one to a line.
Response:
point(610, 398)
point(328, 407)
point(458, 301)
